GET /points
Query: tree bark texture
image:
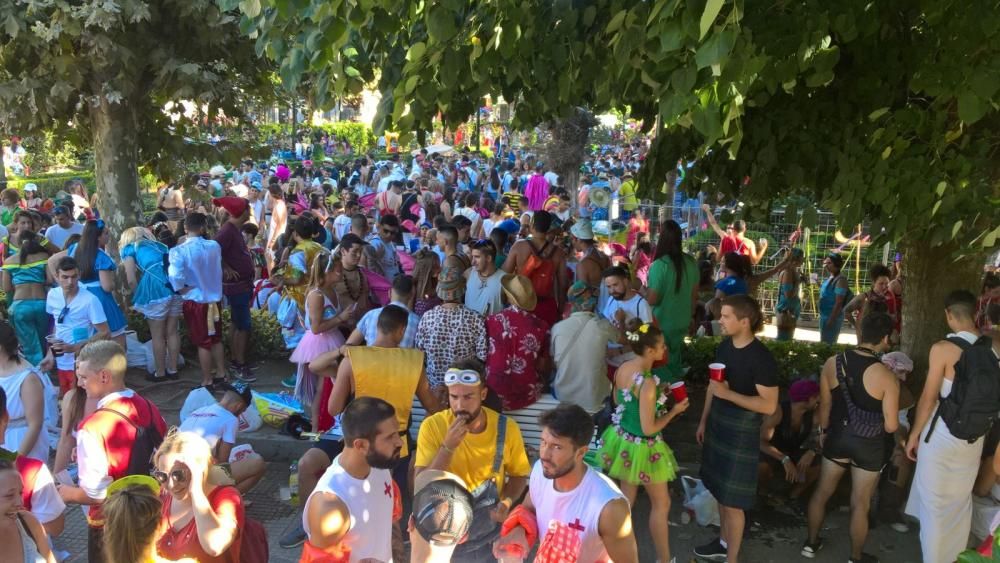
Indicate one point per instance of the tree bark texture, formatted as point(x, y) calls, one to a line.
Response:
point(930, 274)
point(567, 148)
point(116, 158)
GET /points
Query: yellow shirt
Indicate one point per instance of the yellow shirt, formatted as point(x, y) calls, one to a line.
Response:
point(473, 459)
point(390, 374)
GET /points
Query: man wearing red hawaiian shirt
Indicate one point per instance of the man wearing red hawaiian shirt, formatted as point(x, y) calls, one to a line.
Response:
point(518, 346)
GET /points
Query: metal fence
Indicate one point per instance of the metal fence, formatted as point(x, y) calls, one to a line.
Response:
point(816, 244)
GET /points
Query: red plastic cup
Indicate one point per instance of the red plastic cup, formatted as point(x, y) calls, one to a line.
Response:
point(679, 391)
point(717, 372)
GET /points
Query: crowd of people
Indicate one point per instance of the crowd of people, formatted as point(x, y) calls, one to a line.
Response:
point(475, 287)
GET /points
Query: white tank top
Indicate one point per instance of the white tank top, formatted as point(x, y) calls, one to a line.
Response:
point(483, 297)
point(370, 502)
point(578, 511)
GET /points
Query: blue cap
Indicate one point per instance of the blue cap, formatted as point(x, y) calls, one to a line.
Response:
point(510, 226)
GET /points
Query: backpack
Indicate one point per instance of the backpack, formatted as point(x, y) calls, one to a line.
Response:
point(147, 439)
point(972, 406)
point(860, 422)
point(540, 270)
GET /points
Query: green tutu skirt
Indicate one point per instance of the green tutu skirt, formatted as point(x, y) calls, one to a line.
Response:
point(636, 460)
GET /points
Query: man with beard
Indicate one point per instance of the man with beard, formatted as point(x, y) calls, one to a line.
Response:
point(349, 515)
point(577, 513)
point(623, 305)
point(483, 448)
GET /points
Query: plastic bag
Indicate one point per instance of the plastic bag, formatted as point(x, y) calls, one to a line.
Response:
point(196, 399)
point(698, 500)
point(135, 356)
point(250, 420)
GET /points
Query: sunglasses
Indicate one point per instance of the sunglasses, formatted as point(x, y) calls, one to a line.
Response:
point(178, 476)
point(461, 376)
point(483, 243)
point(62, 314)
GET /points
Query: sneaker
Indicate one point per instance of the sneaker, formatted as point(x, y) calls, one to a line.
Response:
point(865, 558)
point(289, 381)
point(242, 374)
point(153, 379)
point(711, 551)
point(811, 549)
point(294, 537)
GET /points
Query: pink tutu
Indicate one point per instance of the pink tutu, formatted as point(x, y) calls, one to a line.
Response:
point(313, 345)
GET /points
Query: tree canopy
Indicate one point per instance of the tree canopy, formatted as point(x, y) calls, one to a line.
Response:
point(884, 111)
point(104, 71)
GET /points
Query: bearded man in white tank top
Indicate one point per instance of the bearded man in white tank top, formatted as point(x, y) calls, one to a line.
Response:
point(576, 513)
point(352, 508)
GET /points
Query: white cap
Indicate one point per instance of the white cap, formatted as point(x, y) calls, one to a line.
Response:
point(30, 187)
point(582, 230)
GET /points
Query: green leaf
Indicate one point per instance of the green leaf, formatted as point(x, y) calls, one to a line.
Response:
point(683, 79)
point(810, 217)
point(716, 49)
point(416, 51)
point(941, 187)
point(711, 12)
point(441, 25)
point(971, 108)
point(877, 114)
point(11, 26)
point(955, 228)
point(616, 22)
point(991, 239)
point(588, 16)
point(250, 7)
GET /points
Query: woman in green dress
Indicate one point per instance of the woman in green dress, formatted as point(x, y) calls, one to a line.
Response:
point(673, 294)
point(632, 448)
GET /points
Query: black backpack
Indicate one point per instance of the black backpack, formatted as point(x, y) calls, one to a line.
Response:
point(974, 402)
point(147, 440)
point(860, 422)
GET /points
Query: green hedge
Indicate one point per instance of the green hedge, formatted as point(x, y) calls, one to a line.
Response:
point(796, 359)
point(266, 342)
point(49, 184)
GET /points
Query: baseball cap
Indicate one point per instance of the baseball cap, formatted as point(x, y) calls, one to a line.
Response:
point(442, 507)
point(30, 187)
point(243, 391)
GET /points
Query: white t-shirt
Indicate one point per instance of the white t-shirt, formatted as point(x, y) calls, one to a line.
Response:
point(77, 325)
point(58, 235)
point(576, 512)
point(634, 307)
point(342, 225)
point(46, 504)
point(213, 423)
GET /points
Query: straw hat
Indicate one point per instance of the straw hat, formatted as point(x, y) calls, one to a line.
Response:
point(519, 291)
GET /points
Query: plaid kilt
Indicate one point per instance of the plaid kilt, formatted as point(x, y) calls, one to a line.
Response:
point(731, 453)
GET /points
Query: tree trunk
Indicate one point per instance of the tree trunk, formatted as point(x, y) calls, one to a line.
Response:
point(931, 273)
point(116, 160)
point(567, 148)
point(3, 172)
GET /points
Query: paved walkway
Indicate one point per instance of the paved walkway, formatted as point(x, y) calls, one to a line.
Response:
point(776, 537)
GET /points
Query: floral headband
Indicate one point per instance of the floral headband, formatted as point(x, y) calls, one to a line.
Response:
point(634, 336)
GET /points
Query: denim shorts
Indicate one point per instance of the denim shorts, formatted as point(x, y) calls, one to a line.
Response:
point(239, 310)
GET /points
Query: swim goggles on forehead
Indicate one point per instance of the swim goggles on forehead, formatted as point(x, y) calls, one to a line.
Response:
point(461, 377)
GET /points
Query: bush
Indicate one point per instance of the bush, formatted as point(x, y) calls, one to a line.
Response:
point(49, 184)
point(795, 359)
point(265, 335)
point(360, 136)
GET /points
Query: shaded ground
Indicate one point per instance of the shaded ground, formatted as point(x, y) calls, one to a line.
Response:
point(776, 536)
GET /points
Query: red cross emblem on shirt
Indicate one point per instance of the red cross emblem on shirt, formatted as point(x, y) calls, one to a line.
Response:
point(388, 490)
point(577, 526)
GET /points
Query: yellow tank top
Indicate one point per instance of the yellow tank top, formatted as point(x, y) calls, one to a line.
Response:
point(390, 374)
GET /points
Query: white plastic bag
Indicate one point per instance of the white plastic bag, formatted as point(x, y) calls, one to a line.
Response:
point(197, 398)
point(698, 500)
point(250, 420)
point(135, 356)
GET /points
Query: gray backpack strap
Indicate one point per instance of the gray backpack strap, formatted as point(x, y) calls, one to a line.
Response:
point(501, 440)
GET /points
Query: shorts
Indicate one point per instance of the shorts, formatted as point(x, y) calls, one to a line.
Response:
point(331, 448)
point(239, 310)
point(196, 319)
point(869, 454)
point(67, 380)
point(172, 306)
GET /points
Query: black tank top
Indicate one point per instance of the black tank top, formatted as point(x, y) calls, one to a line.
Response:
point(855, 366)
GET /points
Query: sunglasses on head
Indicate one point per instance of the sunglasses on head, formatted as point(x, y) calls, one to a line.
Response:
point(483, 243)
point(178, 476)
point(461, 376)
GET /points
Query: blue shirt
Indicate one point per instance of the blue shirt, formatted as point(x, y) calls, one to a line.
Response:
point(153, 282)
point(368, 326)
point(732, 285)
point(101, 262)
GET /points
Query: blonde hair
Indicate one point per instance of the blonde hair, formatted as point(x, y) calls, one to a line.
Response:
point(131, 522)
point(105, 354)
point(320, 266)
point(195, 449)
point(133, 235)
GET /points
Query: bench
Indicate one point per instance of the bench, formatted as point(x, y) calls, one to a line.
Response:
point(526, 418)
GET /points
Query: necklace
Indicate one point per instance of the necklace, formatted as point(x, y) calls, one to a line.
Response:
point(353, 293)
point(483, 280)
point(866, 349)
